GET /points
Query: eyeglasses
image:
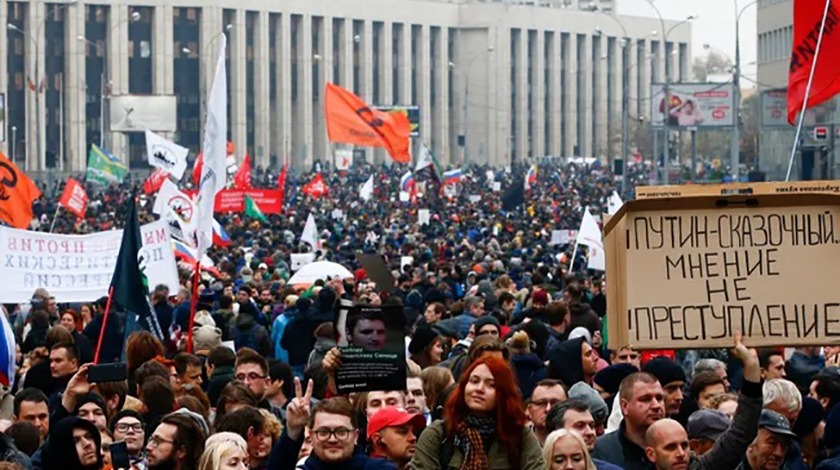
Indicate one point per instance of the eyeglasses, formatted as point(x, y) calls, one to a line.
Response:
point(125, 427)
point(324, 434)
point(155, 442)
point(251, 376)
point(545, 402)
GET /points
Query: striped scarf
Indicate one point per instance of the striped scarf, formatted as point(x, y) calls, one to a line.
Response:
point(474, 437)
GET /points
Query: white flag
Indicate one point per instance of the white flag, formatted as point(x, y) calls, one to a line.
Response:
point(424, 159)
point(166, 155)
point(178, 211)
point(214, 147)
point(343, 159)
point(590, 235)
point(310, 233)
point(366, 191)
point(614, 203)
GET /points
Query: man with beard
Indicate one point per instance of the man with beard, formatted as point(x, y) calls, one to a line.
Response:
point(176, 444)
point(672, 378)
point(73, 445)
point(392, 434)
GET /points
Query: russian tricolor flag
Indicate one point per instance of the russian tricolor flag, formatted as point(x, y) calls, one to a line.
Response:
point(452, 176)
point(7, 353)
point(531, 177)
point(220, 237)
point(407, 183)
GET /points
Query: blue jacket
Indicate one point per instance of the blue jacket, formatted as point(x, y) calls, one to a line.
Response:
point(601, 465)
point(277, 333)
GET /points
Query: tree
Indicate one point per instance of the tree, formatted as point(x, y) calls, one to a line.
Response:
point(713, 63)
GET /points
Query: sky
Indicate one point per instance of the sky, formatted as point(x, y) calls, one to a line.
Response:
point(715, 25)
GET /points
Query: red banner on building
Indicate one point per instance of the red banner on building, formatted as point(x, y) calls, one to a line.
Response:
point(233, 200)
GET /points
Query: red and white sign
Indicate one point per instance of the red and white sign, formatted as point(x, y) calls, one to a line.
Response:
point(74, 198)
point(821, 133)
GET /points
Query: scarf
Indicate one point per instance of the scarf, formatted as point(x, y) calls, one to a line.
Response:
point(473, 437)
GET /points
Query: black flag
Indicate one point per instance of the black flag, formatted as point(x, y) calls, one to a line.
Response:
point(513, 197)
point(130, 286)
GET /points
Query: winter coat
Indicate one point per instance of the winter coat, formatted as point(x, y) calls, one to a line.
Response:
point(277, 329)
point(284, 456)
point(529, 370)
point(429, 449)
point(249, 334)
point(10, 453)
point(322, 346)
point(112, 343)
point(565, 362)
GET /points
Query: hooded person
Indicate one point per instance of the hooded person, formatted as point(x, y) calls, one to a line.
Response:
point(527, 366)
point(248, 333)
point(572, 361)
point(74, 444)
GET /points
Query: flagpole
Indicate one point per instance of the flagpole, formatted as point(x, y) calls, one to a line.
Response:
point(52, 225)
point(808, 90)
point(104, 322)
point(193, 299)
point(574, 255)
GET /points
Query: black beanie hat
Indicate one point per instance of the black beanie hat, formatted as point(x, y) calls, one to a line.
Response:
point(809, 418)
point(90, 398)
point(609, 378)
point(665, 370)
point(423, 336)
point(122, 414)
point(487, 320)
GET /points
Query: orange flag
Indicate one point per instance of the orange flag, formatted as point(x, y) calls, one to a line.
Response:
point(74, 198)
point(351, 121)
point(17, 193)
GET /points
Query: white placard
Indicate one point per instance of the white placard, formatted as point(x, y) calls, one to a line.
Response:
point(423, 216)
point(300, 260)
point(474, 198)
point(497, 186)
point(77, 268)
point(404, 196)
point(406, 260)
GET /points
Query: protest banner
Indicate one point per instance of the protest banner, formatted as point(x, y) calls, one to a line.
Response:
point(691, 272)
point(743, 189)
point(77, 268)
point(372, 346)
point(269, 201)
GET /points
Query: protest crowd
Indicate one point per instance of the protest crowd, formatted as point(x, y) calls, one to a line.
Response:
point(503, 346)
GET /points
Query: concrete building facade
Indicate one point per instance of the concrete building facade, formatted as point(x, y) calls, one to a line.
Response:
point(495, 82)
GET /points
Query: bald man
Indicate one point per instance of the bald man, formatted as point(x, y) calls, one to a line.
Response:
point(666, 442)
point(667, 445)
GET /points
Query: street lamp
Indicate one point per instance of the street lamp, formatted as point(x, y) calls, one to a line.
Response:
point(665, 34)
point(464, 111)
point(736, 93)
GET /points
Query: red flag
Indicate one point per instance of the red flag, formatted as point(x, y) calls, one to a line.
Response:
point(74, 198)
point(281, 184)
point(317, 187)
point(807, 21)
point(155, 181)
point(199, 162)
point(351, 121)
point(17, 193)
point(242, 178)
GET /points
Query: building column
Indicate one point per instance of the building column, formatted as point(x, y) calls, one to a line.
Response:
point(162, 51)
point(538, 97)
point(118, 54)
point(325, 40)
point(600, 132)
point(366, 57)
point(5, 145)
point(284, 86)
point(74, 92)
point(345, 66)
point(262, 89)
point(404, 87)
point(556, 91)
point(570, 89)
point(305, 97)
point(425, 88)
point(35, 61)
point(586, 68)
point(521, 73)
point(500, 89)
point(238, 82)
point(440, 143)
point(386, 65)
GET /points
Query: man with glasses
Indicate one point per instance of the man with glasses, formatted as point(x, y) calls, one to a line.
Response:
point(252, 370)
point(176, 444)
point(334, 434)
point(128, 426)
point(546, 394)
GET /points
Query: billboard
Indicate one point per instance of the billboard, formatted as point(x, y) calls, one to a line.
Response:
point(693, 105)
point(138, 113)
point(774, 110)
point(412, 112)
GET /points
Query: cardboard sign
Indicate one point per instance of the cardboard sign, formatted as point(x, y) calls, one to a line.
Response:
point(423, 216)
point(742, 189)
point(372, 344)
point(690, 272)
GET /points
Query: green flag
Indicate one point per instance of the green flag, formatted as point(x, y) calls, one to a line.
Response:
point(129, 284)
point(253, 210)
point(104, 168)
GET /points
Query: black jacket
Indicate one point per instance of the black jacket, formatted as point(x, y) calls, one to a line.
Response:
point(565, 362)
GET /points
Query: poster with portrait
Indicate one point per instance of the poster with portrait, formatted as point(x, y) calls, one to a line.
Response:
point(693, 105)
point(371, 339)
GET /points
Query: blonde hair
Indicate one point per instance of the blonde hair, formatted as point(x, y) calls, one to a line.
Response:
point(272, 425)
point(548, 447)
point(218, 447)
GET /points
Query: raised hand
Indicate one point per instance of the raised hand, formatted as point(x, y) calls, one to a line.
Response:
point(748, 357)
point(78, 385)
point(297, 413)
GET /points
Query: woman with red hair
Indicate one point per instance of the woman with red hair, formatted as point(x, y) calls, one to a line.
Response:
point(484, 423)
